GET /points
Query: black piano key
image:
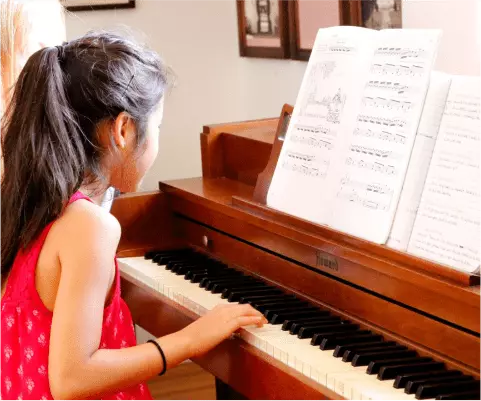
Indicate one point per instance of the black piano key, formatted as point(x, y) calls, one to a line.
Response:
point(340, 350)
point(351, 353)
point(463, 395)
point(270, 313)
point(413, 385)
point(232, 281)
point(221, 287)
point(265, 291)
point(375, 367)
point(309, 330)
point(295, 326)
point(391, 371)
point(170, 263)
point(320, 315)
point(176, 252)
point(196, 277)
point(328, 344)
point(264, 298)
point(275, 302)
point(182, 268)
point(253, 291)
point(434, 390)
point(234, 296)
point(279, 318)
point(151, 254)
point(201, 277)
point(403, 379)
point(280, 305)
point(164, 259)
point(333, 339)
point(363, 359)
point(216, 277)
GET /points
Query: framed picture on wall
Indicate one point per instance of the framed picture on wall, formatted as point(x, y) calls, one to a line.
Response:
point(87, 5)
point(306, 17)
point(376, 14)
point(263, 28)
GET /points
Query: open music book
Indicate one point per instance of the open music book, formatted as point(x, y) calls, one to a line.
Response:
point(348, 144)
point(447, 224)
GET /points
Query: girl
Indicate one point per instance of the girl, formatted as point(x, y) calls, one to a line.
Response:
point(83, 116)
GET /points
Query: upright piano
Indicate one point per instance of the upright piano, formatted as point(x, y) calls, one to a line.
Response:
point(349, 319)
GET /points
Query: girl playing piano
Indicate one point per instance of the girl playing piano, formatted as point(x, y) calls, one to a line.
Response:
point(83, 116)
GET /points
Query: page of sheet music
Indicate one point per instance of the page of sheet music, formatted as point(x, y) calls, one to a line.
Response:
point(419, 162)
point(447, 226)
point(331, 85)
point(381, 138)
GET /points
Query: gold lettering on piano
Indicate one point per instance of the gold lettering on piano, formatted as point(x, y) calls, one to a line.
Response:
point(326, 261)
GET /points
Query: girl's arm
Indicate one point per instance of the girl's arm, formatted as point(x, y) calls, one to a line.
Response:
point(77, 368)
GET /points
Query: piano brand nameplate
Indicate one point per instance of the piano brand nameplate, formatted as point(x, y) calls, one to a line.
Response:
point(326, 261)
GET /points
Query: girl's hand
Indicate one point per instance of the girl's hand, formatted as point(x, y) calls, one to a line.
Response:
point(218, 325)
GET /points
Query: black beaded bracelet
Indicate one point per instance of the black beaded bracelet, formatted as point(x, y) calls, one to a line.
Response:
point(164, 361)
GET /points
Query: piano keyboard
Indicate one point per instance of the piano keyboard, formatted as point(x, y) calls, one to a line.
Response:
point(354, 363)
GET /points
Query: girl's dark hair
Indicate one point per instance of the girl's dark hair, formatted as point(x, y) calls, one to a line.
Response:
point(50, 144)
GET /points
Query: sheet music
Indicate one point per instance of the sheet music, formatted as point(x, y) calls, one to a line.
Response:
point(327, 99)
point(447, 227)
point(419, 162)
point(380, 138)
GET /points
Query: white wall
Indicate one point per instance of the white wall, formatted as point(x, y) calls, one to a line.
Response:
point(198, 38)
point(459, 52)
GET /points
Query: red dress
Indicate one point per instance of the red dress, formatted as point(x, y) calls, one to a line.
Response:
point(26, 324)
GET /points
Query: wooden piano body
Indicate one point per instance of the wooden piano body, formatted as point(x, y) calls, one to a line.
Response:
point(430, 308)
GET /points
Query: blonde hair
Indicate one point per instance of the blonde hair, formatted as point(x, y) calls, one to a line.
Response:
point(20, 21)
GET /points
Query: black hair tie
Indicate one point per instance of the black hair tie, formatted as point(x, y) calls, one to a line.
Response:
point(164, 361)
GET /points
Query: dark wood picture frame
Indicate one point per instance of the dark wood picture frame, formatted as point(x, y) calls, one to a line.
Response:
point(98, 6)
point(281, 52)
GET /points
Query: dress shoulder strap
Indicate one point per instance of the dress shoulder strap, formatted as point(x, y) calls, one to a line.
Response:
point(78, 195)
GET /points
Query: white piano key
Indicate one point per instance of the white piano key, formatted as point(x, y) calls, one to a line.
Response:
point(321, 366)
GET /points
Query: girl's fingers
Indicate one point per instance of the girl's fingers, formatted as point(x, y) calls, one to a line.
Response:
point(247, 310)
point(247, 321)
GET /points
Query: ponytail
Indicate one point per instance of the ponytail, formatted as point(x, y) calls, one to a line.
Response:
point(42, 152)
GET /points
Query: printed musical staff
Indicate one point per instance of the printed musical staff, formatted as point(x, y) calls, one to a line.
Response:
point(382, 135)
point(319, 129)
point(340, 49)
point(391, 104)
point(401, 52)
point(374, 187)
point(306, 165)
point(373, 166)
point(363, 201)
point(384, 154)
point(390, 86)
point(397, 69)
point(387, 122)
point(312, 142)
